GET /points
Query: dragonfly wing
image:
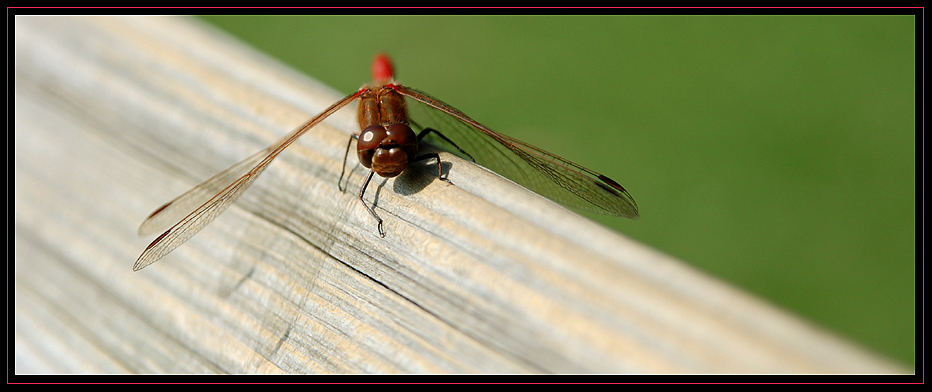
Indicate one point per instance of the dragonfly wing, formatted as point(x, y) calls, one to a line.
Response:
point(213, 196)
point(194, 222)
point(173, 211)
point(550, 175)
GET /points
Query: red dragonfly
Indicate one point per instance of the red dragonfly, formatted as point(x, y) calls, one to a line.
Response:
point(387, 144)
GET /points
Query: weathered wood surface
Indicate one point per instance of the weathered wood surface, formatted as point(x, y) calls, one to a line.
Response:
point(116, 115)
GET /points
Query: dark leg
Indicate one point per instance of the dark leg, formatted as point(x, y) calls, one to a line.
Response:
point(429, 130)
point(439, 165)
point(371, 211)
point(345, 155)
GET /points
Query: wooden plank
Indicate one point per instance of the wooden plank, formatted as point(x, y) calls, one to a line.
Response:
point(115, 115)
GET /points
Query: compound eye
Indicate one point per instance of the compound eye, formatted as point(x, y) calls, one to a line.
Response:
point(401, 134)
point(370, 138)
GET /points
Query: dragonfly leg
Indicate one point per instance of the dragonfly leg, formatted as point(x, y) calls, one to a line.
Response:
point(436, 156)
point(345, 156)
point(429, 130)
point(371, 211)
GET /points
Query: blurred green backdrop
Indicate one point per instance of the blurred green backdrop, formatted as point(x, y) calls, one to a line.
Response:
point(774, 152)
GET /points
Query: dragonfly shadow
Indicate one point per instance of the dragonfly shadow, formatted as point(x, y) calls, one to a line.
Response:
point(344, 185)
point(378, 191)
point(419, 175)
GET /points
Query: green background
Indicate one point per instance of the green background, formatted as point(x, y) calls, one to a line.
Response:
point(774, 152)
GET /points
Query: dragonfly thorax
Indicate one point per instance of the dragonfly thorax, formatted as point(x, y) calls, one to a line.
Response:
point(386, 143)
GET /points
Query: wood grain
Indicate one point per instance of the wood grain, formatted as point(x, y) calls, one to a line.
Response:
point(115, 115)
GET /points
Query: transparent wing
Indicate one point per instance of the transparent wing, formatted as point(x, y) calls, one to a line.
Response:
point(173, 211)
point(213, 196)
point(194, 222)
point(540, 171)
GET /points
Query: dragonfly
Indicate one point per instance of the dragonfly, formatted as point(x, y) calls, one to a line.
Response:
point(393, 122)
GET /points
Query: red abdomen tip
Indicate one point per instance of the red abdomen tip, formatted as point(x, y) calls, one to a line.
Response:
point(382, 68)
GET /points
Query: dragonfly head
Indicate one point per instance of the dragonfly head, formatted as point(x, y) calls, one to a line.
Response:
point(387, 151)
